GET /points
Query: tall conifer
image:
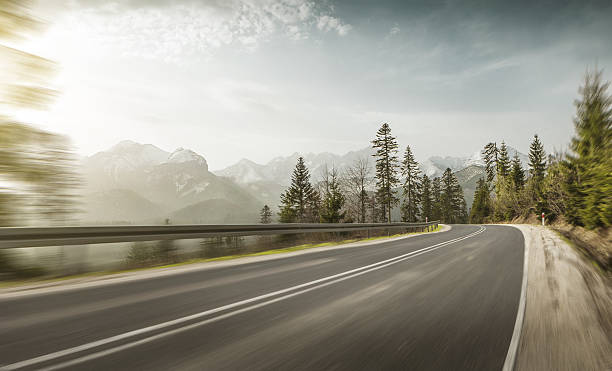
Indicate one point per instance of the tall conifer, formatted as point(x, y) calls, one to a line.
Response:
point(411, 187)
point(387, 165)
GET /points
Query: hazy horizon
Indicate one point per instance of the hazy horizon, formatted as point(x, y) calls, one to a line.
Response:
point(260, 79)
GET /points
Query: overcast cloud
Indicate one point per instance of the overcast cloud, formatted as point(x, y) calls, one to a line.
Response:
point(257, 79)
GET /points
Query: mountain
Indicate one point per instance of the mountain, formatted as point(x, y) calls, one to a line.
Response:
point(279, 169)
point(124, 163)
point(136, 176)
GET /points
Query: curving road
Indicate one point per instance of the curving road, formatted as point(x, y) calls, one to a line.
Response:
point(439, 301)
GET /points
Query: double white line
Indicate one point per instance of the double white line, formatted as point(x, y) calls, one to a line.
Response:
point(257, 302)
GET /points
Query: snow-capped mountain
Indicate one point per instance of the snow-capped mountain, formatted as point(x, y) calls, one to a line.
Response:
point(125, 162)
point(279, 169)
point(170, 181)
point(182, 155)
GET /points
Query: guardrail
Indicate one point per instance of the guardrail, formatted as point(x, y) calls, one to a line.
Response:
point(61, 236)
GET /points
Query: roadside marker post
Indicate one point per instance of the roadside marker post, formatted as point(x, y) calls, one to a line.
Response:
point(542, 219)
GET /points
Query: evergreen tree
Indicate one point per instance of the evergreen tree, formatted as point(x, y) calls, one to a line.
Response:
point(265, 215)
point(448, 201)
point(387, 165)
point(481, 206)
point(537, 159)
point(463, 212)
point(436, 197)
point(453, 208)
point(426, 198)
point(333, 199)
point(503, 161)
point(313, 209)
point(411, 187)
point(537, 169)
point(299, 201)
point(590, 167)
point(517, 173)
point(490, 154)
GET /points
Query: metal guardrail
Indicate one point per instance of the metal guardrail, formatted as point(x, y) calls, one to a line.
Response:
point(60, 236)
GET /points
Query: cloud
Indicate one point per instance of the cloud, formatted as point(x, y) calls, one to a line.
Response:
point(394, 30)
point(328, 23)
point(171, 31)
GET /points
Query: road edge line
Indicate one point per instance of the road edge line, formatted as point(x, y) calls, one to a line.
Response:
point(510, 362)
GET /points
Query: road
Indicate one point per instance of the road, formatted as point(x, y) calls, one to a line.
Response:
point(436, 301)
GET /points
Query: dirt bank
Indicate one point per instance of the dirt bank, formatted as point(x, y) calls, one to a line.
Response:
point(568, 314)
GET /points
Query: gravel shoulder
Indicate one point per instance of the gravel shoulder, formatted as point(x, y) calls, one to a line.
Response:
point(568, 314)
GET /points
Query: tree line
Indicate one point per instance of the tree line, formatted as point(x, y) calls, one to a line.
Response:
point(576, 185)
point(360, 195)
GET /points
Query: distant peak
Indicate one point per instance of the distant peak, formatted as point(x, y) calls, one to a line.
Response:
point(125, 144)
point(182, 155)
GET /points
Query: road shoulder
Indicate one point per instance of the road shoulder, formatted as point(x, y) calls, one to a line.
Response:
point(568, 313)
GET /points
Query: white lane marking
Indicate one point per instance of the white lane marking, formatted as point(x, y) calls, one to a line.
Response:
point(336, 278)
point(520, 315)
point(102, 304)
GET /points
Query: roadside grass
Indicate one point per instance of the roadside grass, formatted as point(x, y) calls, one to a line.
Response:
point(13, 283)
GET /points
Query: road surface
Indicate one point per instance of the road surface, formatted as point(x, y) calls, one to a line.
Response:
point(437, 301)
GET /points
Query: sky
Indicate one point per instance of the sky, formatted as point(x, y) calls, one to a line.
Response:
point(235, 79)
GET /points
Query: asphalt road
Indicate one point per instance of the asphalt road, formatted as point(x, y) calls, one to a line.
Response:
point(421, 303)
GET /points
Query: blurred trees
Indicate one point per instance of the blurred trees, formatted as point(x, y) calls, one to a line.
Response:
point(577, 185)
point(590, 164)
point(37, 168)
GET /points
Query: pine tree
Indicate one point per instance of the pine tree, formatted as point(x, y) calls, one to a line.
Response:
point(387, 165)
point(436, 197)
point(426, 198)
point(451, 199)
point(490, 154)
point(333, 199)
point(265, 215)
point(411, 187)
point(537, 169)
point(503, 161)
point(299, 201)
point(517, 173)
point(481, 206)
point(590, 188)
point(463, 212)
point(537, 159)
point(447, 199)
